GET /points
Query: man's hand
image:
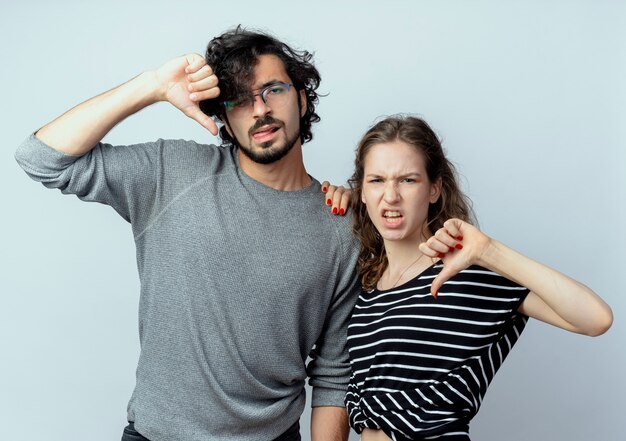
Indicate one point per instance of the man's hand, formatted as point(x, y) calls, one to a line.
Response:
point(184, 82)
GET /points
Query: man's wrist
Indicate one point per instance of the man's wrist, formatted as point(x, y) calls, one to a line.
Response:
point(148, 85)
point(329, 423)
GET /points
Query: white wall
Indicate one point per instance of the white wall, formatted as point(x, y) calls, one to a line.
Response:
point(529, 97)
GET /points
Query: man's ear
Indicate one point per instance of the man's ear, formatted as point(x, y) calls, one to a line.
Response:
point(303, 102)
point(227, 126)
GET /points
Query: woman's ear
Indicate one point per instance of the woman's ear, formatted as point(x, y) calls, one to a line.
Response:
point(435, 190)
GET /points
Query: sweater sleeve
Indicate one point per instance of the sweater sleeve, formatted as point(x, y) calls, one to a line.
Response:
point(329, 368)
point(111, 175)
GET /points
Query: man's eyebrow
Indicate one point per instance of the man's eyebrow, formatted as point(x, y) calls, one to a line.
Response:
point(267, 83)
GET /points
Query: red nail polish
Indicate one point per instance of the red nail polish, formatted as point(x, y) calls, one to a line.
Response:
point(458, 246)
point(459, 238)
point(334, 210)
point(324, 189)
point(435, 294)
point(341, 211)
point(328, 201)
point(440, 255)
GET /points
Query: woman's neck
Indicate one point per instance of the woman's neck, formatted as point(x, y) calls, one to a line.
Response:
point(401, 254)
point(405, 261)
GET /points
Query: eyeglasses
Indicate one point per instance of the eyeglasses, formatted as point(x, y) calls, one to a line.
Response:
point(274, 95)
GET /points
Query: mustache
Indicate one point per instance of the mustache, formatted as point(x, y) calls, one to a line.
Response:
point(266, 120)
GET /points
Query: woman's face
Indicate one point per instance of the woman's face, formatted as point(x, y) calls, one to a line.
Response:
point(397, 191)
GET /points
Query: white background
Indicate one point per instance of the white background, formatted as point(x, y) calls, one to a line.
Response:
point(529, 98)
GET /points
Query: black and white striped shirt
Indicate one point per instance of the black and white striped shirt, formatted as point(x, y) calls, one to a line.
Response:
point(420, 365)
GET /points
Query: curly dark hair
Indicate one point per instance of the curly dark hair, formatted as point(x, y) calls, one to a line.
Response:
point(233, 55)
point(452, 202)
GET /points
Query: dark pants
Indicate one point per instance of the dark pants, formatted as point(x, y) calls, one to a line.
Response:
point(292, 434)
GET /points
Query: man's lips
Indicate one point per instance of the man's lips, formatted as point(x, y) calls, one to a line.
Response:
point(264, 130)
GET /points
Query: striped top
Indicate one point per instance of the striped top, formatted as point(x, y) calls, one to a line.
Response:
point(420, 365)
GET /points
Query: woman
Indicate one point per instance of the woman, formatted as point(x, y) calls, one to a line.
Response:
point(442, 303)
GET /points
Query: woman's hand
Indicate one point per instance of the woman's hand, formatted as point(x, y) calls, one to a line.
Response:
point(337, 197)
point(459, 245)
point(554, 298)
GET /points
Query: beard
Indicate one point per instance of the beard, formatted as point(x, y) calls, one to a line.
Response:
point(272, 151)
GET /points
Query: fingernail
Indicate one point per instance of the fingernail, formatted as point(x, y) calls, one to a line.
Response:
point(459, 238)
point(458, 246)
point(440, 255)
point(324, 189)
point(435, 294)
point(328, 201)
point(341, 211)
point(334, 210)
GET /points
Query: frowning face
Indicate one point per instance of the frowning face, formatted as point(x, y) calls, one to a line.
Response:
point(397, 192)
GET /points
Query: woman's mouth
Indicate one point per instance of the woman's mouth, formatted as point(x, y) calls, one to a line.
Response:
point(392, 217)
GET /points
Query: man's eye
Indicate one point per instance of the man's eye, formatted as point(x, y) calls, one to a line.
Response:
point(241, 102)
point(234, 104)
point(276, 90)
point(408, 180)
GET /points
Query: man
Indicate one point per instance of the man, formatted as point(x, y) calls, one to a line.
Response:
point(244, 274)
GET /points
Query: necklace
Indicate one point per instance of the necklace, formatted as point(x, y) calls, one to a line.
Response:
point(405, 270)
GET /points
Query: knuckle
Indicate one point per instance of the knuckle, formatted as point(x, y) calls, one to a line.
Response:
point(214, 92)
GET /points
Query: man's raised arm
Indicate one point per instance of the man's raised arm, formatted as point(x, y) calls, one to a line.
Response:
point(183, 81)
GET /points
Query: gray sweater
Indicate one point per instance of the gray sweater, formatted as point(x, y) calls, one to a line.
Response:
point(240, 283)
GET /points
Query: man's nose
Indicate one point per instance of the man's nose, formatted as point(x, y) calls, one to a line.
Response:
point(259, 107)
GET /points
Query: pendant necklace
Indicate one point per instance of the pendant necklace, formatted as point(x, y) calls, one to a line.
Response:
point(405, 270)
